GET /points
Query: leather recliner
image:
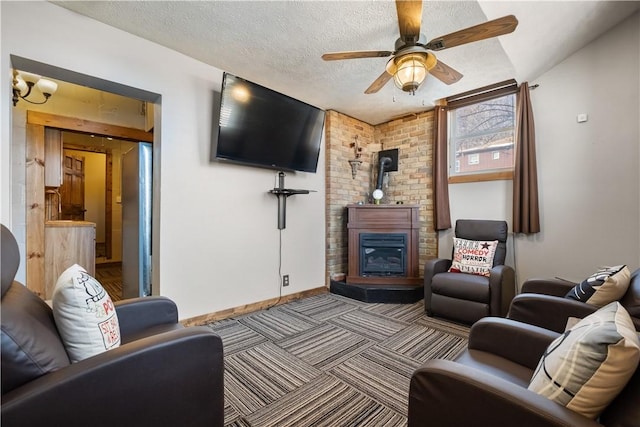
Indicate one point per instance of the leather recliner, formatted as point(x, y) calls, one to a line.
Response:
point(467, 298)
point(543, 303)
point(161, 374)
point(487, 384)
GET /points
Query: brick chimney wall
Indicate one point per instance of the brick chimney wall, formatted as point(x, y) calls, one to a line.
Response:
point(411, 184)
point(341, 188)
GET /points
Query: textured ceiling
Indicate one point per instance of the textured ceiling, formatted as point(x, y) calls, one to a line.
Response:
point(278, 44)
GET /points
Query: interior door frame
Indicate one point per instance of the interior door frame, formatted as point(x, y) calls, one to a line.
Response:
point(37, 122)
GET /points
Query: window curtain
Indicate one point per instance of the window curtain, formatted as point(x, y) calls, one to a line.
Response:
point(526, 214)
point(442, 215)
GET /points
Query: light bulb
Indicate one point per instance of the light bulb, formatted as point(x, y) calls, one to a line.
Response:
point(21, 86)
point(29, 77)
point(47, 87)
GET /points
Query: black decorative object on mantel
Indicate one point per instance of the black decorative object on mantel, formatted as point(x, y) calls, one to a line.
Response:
point(388, 162)
point(282, 194)
point(393, 155)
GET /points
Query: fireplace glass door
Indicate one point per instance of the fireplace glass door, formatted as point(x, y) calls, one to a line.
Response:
point(383, 254)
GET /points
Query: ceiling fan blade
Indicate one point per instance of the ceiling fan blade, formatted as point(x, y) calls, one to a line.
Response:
point(379, 83)
point(445, 73)
point(356, 54)
point(409, 20)
point(497, 27)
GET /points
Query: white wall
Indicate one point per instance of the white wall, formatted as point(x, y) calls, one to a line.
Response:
point(478, 200)
point(218, 239)
point(588, 173)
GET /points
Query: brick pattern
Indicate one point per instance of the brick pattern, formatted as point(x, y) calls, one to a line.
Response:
point(341, 188)
point(411, 184)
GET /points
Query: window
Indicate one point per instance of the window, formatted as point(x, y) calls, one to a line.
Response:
point(482, 135)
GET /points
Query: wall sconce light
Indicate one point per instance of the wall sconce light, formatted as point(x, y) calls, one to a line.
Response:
point(355, 162)
point(24, 82)
point(410, 70)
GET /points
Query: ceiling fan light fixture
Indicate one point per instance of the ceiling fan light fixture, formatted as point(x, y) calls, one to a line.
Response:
point(411, 60)
point(410, 71)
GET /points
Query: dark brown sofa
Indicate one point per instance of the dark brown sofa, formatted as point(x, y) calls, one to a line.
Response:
point(542, 303)
point(161, 375)
point(487, 384)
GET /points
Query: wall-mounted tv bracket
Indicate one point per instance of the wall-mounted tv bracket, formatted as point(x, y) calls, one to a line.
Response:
point(282, 194)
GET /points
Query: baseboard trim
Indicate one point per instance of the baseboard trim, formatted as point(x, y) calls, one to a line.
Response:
point(250, 308)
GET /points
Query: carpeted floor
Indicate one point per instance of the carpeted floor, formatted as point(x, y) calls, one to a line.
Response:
point(329, 361)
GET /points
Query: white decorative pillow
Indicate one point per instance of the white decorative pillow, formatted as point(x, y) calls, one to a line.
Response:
point(84, 314)
point(473, 256)
point(606, 285)
point(585, 368)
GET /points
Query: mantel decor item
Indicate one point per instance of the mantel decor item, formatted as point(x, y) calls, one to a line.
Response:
point(355, 162)
point(388, 161)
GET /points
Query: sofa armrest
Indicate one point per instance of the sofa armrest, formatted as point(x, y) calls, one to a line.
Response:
point(431, 268)
point(556, 287)
point(549, 312)
point(519, 342)
point(139, 314)
point(445, 393)
point(174, 378)
point(502, 284)
point(435, 266)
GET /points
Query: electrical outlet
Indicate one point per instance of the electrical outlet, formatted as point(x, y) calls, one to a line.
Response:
point(285, 280)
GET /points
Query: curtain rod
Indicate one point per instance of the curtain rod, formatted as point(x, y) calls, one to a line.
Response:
point(489, 88)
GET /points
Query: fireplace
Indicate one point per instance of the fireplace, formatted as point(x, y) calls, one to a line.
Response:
point(383, 245)
point(383, 254)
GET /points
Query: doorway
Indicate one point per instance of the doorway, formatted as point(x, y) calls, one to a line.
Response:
point(86, 101)
point(36, 214)
point(92, 191)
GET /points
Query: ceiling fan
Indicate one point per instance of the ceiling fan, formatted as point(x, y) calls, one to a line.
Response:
point(412, 58)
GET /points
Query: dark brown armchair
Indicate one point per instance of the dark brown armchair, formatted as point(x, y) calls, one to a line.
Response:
point(162, 373)
point(464, 297)
point(543, 303)
point(487, 384)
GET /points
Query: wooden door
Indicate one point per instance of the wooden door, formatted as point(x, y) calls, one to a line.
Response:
point(72, 189)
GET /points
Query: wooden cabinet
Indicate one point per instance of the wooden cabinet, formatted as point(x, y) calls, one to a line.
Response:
point(52, 157)
point(67, 243)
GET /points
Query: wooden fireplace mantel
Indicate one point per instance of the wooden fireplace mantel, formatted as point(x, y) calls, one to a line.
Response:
point(372, 218)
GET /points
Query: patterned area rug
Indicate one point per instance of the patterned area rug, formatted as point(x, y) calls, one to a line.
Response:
point(329, 361)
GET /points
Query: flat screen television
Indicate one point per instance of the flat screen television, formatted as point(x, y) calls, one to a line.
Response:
point(264, 128)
